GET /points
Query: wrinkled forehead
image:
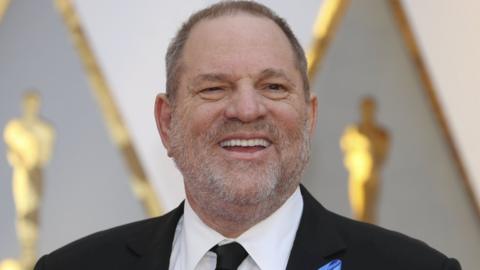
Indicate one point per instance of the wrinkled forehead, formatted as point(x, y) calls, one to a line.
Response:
point(238, 38)
point(237, 29)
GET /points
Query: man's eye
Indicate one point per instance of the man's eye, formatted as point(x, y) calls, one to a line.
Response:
point(275, 86)
point(275, 91)
point(212, 89)
point(212, 93)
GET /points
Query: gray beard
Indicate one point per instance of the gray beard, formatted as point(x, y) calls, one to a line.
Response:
point(243, 191)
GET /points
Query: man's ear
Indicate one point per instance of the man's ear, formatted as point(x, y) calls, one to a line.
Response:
point(312, 113)
point(163, 118)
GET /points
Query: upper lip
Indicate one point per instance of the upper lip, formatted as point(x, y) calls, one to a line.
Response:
point(246, 136)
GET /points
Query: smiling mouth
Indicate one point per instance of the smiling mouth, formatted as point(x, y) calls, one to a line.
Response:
point(245, 145)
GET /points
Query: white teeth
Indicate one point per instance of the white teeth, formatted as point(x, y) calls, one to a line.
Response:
point(245, 143)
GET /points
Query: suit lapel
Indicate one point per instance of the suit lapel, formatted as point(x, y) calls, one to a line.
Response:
point(315, 244)
point(316, 240)
point(155, 246)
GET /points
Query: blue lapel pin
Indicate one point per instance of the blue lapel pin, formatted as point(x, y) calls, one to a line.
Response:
point(332, 265)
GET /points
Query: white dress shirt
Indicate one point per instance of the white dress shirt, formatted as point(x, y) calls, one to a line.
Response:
point(268, 243)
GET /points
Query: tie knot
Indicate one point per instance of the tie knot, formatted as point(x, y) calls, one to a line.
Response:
point(229, 256)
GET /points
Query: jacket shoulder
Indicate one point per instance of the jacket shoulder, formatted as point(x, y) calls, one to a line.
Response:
point(376, 245)
point(363, 246)
point(113, 248)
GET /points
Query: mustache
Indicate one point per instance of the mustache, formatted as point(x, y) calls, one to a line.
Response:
point(230, 126)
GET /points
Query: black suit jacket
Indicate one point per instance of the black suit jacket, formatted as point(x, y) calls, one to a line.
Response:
point(321, 237)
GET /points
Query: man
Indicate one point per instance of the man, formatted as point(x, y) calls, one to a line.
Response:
point(237, 119)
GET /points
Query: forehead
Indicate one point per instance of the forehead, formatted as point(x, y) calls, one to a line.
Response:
point(237, 43)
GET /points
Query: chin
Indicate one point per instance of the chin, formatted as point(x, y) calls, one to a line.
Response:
point(251, 191)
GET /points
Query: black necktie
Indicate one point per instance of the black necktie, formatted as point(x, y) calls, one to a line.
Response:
point(229, 256)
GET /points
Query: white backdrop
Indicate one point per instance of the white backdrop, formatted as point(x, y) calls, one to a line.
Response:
point(447, 33)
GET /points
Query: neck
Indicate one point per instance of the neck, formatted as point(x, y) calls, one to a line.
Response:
point(231, 219)
point(225, 226)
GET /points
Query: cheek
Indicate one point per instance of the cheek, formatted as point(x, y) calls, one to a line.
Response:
point(291, 118)
point(200, 118)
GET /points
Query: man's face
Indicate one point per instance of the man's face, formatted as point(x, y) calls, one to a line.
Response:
point(240, 125)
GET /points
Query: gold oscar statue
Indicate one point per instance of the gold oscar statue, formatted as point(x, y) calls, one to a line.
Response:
point(365, 146)
point(29, 141)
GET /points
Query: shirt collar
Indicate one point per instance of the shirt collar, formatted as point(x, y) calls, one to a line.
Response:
point(198, 237)
point(268, 243)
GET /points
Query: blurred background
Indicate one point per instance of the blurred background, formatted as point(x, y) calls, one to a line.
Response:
point(398, 87)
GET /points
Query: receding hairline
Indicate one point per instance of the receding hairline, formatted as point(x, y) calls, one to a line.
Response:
point(232, 15)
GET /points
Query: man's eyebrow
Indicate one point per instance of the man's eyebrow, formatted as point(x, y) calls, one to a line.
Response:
point(211, 77)
point(275, 73)
point(224, 77)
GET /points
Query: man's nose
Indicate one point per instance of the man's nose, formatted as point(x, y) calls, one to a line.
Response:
point(246, 105)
